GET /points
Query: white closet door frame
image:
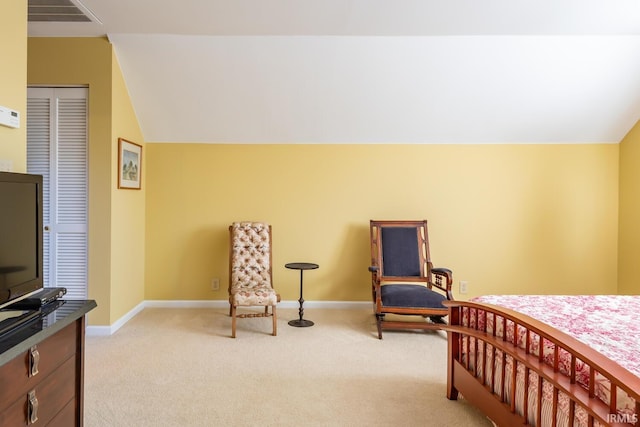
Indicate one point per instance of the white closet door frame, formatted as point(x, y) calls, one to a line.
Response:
point(57, 148)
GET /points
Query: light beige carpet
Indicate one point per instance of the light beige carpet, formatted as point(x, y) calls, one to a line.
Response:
point(178, 367)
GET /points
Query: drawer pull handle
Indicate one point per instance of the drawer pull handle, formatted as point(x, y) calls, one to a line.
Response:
point(33, 407)
point(34, 361)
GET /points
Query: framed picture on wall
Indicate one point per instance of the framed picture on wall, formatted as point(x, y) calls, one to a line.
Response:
point(129, 164)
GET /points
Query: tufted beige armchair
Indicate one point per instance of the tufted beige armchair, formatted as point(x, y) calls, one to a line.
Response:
point(250, 272)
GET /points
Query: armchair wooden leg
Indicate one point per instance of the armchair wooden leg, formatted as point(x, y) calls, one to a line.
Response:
point(379, 319)
point(275, 320)
point(233, 321)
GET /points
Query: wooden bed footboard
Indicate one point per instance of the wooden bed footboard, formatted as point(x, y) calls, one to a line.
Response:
point(518, 370)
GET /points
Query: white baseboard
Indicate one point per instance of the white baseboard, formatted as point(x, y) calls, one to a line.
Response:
point(110, 330)
point(282, 304)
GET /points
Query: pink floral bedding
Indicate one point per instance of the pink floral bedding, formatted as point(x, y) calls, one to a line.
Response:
point(604, 322)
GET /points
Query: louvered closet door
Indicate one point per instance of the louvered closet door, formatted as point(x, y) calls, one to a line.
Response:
point(57, 138)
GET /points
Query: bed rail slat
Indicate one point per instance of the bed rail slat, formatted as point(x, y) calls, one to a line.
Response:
point(539, 402)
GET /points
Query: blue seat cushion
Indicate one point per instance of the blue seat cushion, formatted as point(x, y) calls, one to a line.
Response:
point(397, 295)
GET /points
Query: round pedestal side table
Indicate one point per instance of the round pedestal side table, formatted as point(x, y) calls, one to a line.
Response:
point(302, 266)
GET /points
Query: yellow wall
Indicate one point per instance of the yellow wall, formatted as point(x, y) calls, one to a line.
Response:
point(128, 209)
point(629, 228)
point(13, 80)
point(506, 218)
point(91, 62)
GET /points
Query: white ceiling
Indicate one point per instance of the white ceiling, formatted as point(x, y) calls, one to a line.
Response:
point(374, 71)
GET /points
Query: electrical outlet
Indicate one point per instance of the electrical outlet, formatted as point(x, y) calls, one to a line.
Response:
point(464, 286)
point(6, 165)
point(215, 284)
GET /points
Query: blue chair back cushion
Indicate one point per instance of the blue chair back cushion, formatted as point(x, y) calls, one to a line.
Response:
point(400, 256)
point(397, 295)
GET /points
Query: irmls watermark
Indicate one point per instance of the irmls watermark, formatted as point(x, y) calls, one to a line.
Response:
point(622, 418)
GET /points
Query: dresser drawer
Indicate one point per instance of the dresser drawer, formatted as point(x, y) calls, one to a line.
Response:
point(51, 353)
point(45, 401)
point(66, 417)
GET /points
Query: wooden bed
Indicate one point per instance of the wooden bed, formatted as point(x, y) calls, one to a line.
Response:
point(568, 383)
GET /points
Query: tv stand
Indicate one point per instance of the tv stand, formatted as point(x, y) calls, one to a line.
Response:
point(42, 368)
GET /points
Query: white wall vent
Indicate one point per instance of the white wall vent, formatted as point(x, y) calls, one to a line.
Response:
point(55, 11)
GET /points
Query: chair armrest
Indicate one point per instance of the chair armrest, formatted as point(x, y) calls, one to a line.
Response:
point(440, 273)
point(375, 287)
point(443, 272)
point(375, 278)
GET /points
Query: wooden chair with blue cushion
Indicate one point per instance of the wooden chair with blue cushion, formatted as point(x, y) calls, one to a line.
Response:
point(404, 281)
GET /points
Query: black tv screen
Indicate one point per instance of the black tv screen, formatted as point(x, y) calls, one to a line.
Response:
point(20, 235)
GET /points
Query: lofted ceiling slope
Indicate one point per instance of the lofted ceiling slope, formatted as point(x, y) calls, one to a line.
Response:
point(371, 71)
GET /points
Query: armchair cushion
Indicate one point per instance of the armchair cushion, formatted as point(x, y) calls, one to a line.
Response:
point(257, 295)
point(398, 295)
point(400, 251)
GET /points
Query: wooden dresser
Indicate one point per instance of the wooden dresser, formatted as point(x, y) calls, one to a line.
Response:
point(42, 369)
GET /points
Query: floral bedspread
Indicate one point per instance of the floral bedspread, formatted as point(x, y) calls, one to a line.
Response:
point(604, 322)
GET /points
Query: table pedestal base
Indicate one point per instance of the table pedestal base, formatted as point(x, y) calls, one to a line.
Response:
point(300, 323)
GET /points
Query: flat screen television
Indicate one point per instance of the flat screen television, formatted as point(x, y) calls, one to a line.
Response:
point(21, 228)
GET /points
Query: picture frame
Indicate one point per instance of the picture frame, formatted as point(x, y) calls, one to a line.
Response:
point(129, 165)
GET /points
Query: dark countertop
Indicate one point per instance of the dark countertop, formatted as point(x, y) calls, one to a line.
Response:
point(53, 318)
